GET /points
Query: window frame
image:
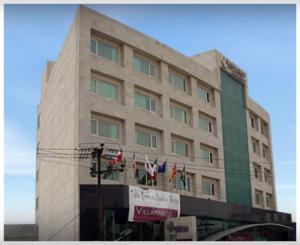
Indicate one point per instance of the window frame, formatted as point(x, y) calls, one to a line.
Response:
point(138, 130)
point(185, 113)
point(107, 122)
point(151, 99)
point(109, 82)
point(173, 147)
point(184, 79)
point(150, 63)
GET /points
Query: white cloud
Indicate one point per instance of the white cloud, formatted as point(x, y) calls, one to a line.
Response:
point(19, 150)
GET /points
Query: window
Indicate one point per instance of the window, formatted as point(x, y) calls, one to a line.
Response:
point(103, 88)
point(257, 171)
point(265, 151)
point(208, 188)
point(107, 51)
point(267, 175)
point(205, 124)
point(145, 101)
point(255, 146)
point(179, 185)
point(254, 122)
point(109, 175)
point(143, 178)
point(207, 156)
point(179, 148)
point(104, 49)
point(177, 81)
point(144, 66)
point(258, 198)
point(146, 139)
point(264, 128)
point(93, 46)
point(178, 114)
point(269, 200)
point(104, 128)
point(203, 95)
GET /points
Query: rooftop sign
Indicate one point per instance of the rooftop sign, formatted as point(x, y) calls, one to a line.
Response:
point(233, 70)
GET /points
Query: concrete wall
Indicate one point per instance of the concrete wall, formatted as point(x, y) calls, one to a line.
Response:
point(166, 58)
point(57, 183)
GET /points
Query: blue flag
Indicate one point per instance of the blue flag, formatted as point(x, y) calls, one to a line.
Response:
point(162, 168)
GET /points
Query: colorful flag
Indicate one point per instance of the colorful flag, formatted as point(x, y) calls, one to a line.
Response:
point(172, 173)
point(154, 169)
point(162, 168)
point(133, 166)
point(182, 177)
point(117, 158)
point(148, 167)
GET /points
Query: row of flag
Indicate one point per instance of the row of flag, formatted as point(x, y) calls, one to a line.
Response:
point(151, 169)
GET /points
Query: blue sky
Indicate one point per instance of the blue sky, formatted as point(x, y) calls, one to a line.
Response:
point(259, 38)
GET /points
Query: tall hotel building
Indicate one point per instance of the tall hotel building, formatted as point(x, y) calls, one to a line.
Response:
point(115, 85)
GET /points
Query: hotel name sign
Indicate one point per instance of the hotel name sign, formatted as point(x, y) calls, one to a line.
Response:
point(233, 70)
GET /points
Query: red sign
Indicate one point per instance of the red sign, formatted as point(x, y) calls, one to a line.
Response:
point(142, 213)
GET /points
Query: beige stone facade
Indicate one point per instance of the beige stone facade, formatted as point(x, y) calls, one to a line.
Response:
point(71, 105)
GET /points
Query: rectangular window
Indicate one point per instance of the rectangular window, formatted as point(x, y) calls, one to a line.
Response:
point(208, 188)
point(94, 127)
point(143, 178)
point(267, 174)
point(103, 88)
point(177, 81)
point(93, 46)
point(257, 199)
point(178, 114)
point(265, 151)
point(107, 90)
point(146, 139)
point(205, 124)
point(269, 201)
point(107, 51)
point(145, 101)
point(107, 129)
point(204, 155)
point(144, 66)
point(203, 95)
point(179, 148)
point(109, 175)
point(179, 185)
point(93, 86)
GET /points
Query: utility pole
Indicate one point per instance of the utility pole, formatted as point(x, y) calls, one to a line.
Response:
point(99, 201)
point(95, 169)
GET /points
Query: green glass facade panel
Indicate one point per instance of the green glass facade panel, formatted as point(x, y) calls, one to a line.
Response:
point(235, 141)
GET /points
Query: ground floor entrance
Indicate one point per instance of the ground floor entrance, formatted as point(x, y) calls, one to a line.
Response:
point(214, 220)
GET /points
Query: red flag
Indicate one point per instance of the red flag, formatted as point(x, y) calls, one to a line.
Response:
point(117, 158)
point(172, 173)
